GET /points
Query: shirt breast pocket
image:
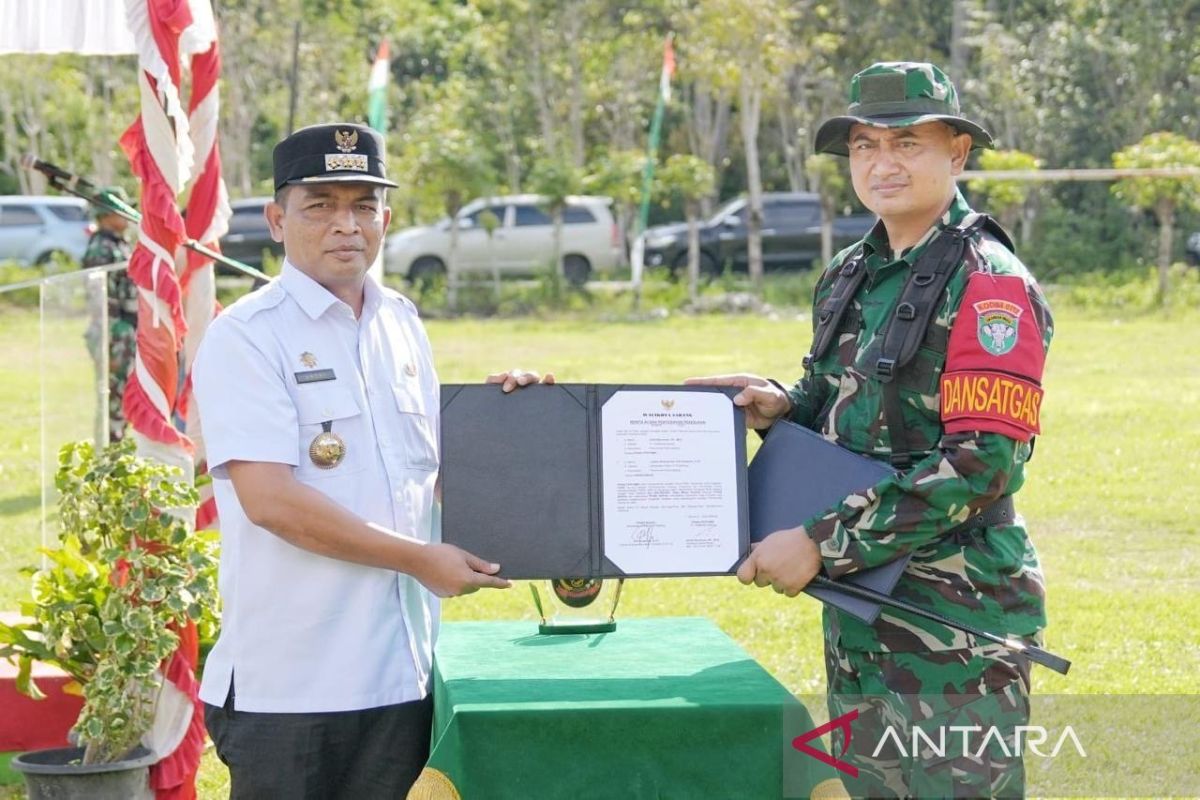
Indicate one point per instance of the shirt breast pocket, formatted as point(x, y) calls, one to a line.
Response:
point(923, 374)
point(416, 431)
point(317, 405)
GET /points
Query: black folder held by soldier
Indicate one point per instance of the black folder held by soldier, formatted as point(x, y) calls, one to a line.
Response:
point(797, 475)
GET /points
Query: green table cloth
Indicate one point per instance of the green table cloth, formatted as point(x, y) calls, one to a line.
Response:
point(660, 708)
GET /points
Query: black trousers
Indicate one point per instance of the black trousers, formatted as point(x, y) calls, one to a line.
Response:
point(375, 753)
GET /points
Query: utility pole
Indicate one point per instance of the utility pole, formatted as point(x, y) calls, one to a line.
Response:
point(958, 48)
point(295, 78)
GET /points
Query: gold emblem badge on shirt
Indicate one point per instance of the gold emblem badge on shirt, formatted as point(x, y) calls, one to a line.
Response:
point(327, 449)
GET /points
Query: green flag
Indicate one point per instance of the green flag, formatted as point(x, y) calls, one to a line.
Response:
point(377, 90)
point(664, 97)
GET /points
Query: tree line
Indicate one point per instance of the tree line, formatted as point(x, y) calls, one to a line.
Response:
point(499, 96)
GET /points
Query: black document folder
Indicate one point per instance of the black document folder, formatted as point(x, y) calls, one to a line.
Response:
point(796, 475)
point(522, 477)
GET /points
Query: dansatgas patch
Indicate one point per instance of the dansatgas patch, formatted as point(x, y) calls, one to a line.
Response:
point(994, 361)
point(984, 396)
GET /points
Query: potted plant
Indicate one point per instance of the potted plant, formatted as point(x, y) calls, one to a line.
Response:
point(126, 574)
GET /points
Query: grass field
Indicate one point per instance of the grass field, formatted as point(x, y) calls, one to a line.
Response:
point(1110, 498)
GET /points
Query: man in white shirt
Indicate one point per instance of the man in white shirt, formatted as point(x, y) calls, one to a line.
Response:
point(319, 405)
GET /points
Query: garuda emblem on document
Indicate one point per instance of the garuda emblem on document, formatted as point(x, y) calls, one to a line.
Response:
point(668, 404)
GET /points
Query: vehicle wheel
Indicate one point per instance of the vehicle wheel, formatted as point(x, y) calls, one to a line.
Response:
point(576, 269)
point(709, 268)
point(53, 261)
point(677, 268)
point(425, 270)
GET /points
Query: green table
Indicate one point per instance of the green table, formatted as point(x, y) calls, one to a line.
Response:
point(661, 708)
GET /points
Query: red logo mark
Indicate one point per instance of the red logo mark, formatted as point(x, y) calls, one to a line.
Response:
point(842, 723)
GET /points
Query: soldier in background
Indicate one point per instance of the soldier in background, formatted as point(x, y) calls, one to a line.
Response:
point(929, 342)
point(108, 246)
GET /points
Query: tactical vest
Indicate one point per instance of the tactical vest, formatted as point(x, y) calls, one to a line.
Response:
point(907, 328)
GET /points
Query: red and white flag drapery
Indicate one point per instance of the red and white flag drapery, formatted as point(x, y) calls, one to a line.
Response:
point(161, 156)
point(170, 151)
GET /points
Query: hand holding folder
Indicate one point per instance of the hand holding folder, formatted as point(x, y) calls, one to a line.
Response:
point(797, 475)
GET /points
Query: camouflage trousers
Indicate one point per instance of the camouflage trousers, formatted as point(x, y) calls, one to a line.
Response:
point(930, 724)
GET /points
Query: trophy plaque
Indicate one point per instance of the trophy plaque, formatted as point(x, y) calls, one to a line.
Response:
point(577, 605)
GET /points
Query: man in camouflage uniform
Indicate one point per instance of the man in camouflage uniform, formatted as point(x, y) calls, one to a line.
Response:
point(956, 419)
point(108, 246)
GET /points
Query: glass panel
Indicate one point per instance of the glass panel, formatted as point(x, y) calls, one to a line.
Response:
point(72, 370)
point(577, 215)
point(531, 215)
point(244, 219)
point(53, 387)
point(19, 215)
point(70, 213)
point(789, 215)
point(726, 209)
point(497, 211)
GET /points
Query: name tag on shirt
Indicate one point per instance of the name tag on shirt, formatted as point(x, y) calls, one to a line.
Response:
point(315, 376)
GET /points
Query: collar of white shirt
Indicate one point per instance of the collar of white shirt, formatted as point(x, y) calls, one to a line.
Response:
point(315, 299)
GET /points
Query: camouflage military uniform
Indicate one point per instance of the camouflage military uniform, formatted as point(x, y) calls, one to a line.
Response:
point(905, 670)
point(106, 247)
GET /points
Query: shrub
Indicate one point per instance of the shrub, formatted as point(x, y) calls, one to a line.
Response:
point(126, 574)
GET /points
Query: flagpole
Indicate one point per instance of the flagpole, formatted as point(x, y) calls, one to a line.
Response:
point(294, 79)
point(377, 85)
point(651, 159)
point(636, 261)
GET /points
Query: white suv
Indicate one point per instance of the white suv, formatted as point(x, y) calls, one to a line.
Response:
point(35, 227)
point(522, 242)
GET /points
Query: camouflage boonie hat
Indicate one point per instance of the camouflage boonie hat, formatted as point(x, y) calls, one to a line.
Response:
point(115, 192)
point(898, 94)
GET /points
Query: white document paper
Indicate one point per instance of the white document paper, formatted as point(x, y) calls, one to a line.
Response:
point(670, 482)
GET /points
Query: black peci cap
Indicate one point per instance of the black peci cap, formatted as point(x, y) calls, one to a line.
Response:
point(331, 154)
